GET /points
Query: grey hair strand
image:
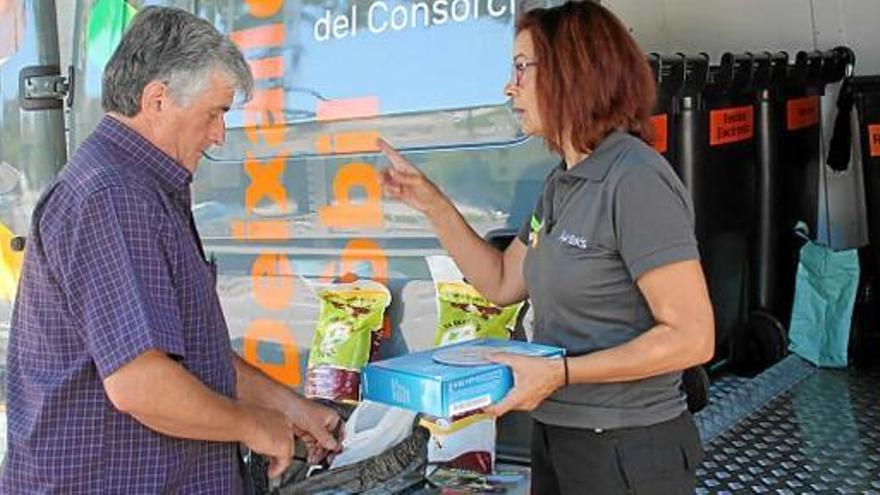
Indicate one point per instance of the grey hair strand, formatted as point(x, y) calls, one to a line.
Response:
point(175, 47)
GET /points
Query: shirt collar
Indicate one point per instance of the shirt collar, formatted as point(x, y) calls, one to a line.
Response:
point(595, 166)
point(171, 175)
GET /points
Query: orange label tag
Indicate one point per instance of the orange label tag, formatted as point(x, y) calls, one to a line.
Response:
point(731, 125)
point(661, 137)
point(802, 112)
point(874, 137)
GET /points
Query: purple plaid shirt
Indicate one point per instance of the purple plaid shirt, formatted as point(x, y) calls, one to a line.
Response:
point(114, 267)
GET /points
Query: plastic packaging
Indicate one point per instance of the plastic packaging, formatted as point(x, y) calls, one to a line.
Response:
point(467, 443)
point(372, 429)
point(349, 322)
point(462, 312)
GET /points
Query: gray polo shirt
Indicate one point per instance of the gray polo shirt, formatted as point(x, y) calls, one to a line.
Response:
point(596, 229)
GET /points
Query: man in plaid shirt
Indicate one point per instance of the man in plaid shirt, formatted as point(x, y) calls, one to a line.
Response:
point(121, 375)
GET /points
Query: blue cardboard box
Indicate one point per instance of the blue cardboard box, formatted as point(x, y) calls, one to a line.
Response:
point(420, 383)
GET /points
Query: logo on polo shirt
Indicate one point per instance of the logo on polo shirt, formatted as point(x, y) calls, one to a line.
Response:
point(574, 240)
point(535, 227)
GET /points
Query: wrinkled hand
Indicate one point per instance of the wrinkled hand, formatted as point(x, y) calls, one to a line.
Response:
point(317, 427)
point(403, 181)
point(534, 379)
point(270, 434)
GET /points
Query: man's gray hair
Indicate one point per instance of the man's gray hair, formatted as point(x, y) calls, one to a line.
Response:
point(175, 47)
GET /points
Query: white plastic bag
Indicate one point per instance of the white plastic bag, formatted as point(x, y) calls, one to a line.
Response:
point(372, 429)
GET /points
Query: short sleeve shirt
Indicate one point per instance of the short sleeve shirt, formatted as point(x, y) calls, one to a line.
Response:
point(113, 268)
point(596, 229)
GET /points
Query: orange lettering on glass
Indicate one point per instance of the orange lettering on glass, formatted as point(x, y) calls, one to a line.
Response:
point(267, 68)
point(347, 142)
point(347, 108)
point(259, 229)
point(266, 182)
point(273, 281)
point(355, 253)
point(264, 8)
point(263, 116)
point(271, 274)
point(286, 372)
point(258, 37)
point(345, 213)
point(358, 251)
point(324, 144)
point(355, 142)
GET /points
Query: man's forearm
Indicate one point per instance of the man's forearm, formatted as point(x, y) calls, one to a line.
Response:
point(165, 397)
point(315, 423)
point(255, 387)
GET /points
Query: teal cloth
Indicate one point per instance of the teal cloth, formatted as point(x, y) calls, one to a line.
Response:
point(825, 291)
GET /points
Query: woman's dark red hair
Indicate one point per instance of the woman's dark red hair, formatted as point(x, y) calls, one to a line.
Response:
point(592, 77)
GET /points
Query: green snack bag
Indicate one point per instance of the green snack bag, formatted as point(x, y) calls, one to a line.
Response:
point(350, 319)
point(462, 312)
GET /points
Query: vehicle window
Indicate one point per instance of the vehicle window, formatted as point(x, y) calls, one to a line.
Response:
point(423, 73)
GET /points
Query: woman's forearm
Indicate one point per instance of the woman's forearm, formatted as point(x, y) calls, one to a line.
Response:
point(662, 349)
point(483, 266)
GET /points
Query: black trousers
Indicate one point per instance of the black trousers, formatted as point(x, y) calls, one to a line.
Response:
point(656, 459)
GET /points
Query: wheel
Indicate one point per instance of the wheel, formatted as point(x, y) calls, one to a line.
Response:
point(759, 343)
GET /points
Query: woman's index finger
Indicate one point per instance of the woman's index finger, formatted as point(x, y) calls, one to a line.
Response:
point(397, 160)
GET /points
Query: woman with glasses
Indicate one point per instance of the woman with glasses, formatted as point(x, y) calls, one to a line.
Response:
point(608, 259)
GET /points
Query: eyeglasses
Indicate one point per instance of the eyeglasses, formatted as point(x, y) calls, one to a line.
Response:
point(519, 69)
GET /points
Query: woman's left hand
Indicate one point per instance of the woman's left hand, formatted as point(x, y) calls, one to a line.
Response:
point(534, 379)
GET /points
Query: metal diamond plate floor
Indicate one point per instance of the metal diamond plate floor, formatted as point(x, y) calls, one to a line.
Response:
point(793, 430)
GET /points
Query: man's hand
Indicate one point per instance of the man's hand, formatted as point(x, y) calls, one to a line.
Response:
point(313, 423)
point(269, 433)
point(534, 379)
point(317, 426)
